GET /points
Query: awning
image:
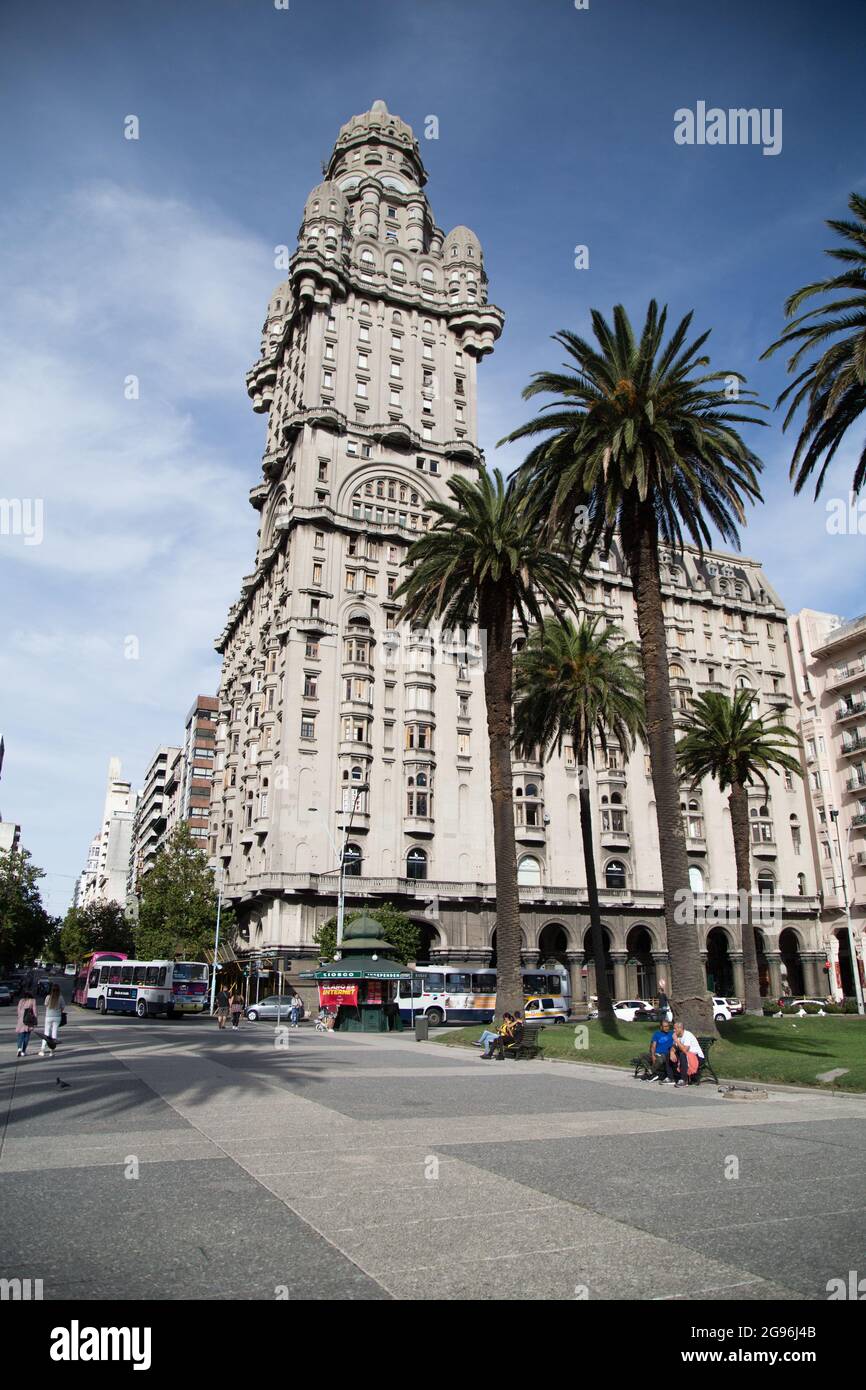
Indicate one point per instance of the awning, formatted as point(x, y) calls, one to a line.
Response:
point(358, 968)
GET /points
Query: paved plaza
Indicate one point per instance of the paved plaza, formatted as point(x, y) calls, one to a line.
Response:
point(367, 1167)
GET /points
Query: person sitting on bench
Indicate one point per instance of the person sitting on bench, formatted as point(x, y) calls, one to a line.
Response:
point(507, 1041)
point(661, 1044)
point(491, 1039)
point(688, 1054)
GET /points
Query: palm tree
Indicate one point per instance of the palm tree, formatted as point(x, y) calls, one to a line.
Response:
point(640, 441)
point(834, 384)
point(725, 741)
point(580, 682)
point(482, 561)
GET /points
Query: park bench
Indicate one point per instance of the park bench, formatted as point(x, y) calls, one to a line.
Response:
point(529, 1046)
point(643, 1065)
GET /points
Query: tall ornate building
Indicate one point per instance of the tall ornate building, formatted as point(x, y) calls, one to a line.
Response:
point(333, 718)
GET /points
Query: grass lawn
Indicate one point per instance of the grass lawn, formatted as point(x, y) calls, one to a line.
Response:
point(788, 1050)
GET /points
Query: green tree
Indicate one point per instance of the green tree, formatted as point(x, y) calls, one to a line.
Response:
point(834, 383)
point(98, 926)
point(642, 441)
point(397, 928)
point(483, 562)
point(726, 742)
point(580, 682)
point(24, 923)
point(177, 914)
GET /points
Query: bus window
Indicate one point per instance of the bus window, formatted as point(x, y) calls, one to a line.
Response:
point(414, 987)
point(534, 984)
point(138, 974)
point(484, 984)
point(126, 974)
point(94, 979)
point(114, 975)
point(161, 976)
point(104, 974)
point(152, 973)
point(459, 983)
point(185, 971)
point(554, 984)
point(435, 983)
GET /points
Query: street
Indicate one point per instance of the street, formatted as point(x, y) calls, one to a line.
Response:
point(179, 1162)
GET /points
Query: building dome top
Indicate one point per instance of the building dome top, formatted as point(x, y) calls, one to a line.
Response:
point(324, 194)
point(467, 243)
point(379, 124)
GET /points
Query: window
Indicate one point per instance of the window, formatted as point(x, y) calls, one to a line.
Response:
point(364, 333)
point(352, 861)
point(614, 874)
point(416, 864)
point(320, 540)
point(363, 361)
point(529, 871)
point(360, 388)
point(317, 574)
point(463, 745)
point(696, 879)
point(308, 726)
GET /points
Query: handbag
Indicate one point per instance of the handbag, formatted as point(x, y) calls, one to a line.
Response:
point(29, 1020)
point(62, 1018)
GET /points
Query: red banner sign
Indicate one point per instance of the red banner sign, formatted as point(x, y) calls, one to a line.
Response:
point(332, 996)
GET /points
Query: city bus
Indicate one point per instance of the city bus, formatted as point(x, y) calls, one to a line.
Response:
point(87, 976)
point(467, 994)
point(150, 987)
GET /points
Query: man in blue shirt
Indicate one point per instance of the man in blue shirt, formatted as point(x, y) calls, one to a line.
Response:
point(660, 1052)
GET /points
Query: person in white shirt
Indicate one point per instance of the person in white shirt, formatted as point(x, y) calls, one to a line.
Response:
point(689, 1053)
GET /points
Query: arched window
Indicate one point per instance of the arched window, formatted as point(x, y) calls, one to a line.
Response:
point(696, 879)
point(743, 683)
point(529, 871)
point(531, 789)
point(427, 275)
point(396, 317)
point(416, 864)
point(357, 774)
point(801, 885)
point(614, 874)
point(352, 861)
point(427, 326)
point(766, 882)
point(676, 672)
point(397, 267)
point(367, 256)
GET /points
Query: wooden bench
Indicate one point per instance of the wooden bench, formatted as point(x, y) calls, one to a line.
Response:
point(529, 1046)
point(643, 1065)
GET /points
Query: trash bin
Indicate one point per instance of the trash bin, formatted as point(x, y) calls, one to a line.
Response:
point(422, 1029)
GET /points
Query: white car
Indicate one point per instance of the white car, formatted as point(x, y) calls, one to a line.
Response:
point(722, 1011)
point(625, 1009)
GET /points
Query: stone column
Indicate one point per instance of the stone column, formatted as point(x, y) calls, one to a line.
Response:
point(620, 988)
point(531, 959)
point(575, 975)
point(739, 976)
point(774, 965)
point(813, 975)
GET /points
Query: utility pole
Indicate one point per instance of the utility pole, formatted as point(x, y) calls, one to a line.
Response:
point(216, 941)
point(341, 889)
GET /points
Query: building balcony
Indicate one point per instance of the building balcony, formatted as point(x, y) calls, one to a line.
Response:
point(616, 839)
point(354, 705)
point(855, 784)
point(351, 748)
point(419, 826)
point(530, 834)
point(844, 674)
point(851, 745)
point(764, 849)
point(849, 711)
point(696, 844)
point(858, 821)
point(356, 668)
point(616, 775)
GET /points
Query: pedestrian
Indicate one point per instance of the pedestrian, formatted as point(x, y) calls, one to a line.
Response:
point(236, 1007)
point(27, 1020)
point(222, 1008)
point(490, 1039)
point(296, 1009)
point(53, 1016)
point(688, 1052)
point(660, 1061)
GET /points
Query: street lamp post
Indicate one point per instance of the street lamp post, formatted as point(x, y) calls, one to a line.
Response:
point(855, 967)
point(341, 889)
point(216, 940)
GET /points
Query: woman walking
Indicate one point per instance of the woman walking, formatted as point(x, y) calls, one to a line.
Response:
point(236, 1007)
point(222, 1008)
point(27, 1020)
point(53, 1015)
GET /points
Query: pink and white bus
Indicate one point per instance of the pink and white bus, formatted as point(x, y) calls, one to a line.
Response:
point(149, 987)
point(84, 990)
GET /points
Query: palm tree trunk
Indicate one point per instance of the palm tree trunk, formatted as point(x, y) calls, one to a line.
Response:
point(689, 996)
point(495, 611)
point(596, 932)
point(739, 804)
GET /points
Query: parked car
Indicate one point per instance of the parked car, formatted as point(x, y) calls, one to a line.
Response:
point(722, 1011)
point(736, 1006)
point(5, 995)
point(546, 1009)
point(625, 1009)
point(69, 970)
point(650, 1015)
point(272, 1006)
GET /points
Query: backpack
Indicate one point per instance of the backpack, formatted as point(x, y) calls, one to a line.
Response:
point(29, 1020)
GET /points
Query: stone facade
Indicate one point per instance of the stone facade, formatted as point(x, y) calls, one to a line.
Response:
point(334, 721)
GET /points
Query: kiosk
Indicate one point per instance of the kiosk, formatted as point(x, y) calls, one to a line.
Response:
point(362, 984)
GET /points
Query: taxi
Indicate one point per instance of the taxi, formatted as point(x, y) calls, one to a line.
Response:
point(545, 1008)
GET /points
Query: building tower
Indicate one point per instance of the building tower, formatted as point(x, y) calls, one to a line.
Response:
point(368, 377)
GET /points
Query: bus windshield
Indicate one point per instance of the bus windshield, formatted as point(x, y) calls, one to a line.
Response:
point(185, 971)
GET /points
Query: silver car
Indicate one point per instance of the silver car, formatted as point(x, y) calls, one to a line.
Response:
point(274, 1006)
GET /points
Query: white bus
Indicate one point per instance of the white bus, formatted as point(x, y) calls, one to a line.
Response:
point(149, 987)
point(465, 994)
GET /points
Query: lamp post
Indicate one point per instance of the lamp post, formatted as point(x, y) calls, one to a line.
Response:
point(340, 852)
point(855, 967)
point(216, 940)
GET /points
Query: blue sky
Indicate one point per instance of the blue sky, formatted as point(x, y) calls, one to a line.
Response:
point(155, 258)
